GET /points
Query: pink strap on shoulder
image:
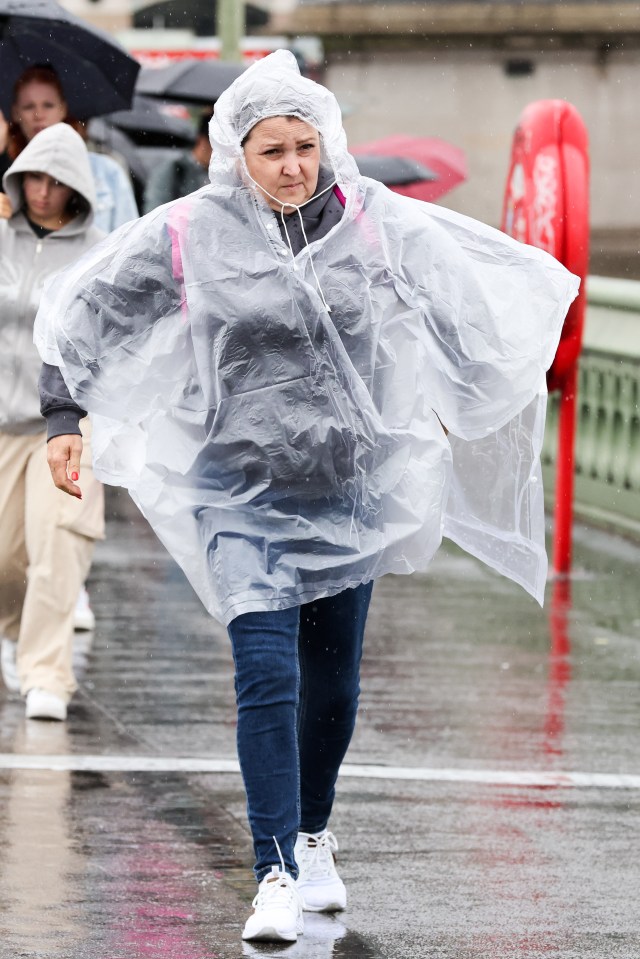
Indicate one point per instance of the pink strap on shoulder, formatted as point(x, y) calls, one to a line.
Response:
point(177, 227)
point(368, 229)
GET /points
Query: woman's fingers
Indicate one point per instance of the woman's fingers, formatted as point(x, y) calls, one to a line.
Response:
point(4, 132)
point(63, 456)
point(6, 210)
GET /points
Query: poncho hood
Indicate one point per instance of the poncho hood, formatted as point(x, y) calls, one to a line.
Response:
point(274, 87)
point(284, 451)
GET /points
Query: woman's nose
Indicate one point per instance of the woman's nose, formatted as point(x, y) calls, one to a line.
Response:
point(291, 164)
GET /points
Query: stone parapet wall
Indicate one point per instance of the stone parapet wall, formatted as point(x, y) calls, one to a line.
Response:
point(438, 19)
point(466, 95)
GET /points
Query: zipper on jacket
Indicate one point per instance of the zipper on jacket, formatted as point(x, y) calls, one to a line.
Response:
point(23, 305)
point(25, 293)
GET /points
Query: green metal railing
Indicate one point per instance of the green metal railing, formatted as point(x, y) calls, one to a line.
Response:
point(607, 487)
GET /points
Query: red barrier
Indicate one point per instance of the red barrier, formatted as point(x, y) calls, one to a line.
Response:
point(547, 204)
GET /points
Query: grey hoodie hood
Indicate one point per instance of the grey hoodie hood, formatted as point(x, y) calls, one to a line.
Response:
point(61, 153)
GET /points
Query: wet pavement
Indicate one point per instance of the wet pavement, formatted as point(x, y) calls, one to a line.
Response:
point(489, 807)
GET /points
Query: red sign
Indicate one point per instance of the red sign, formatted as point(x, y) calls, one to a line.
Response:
point(547, 204)
point(162, 58)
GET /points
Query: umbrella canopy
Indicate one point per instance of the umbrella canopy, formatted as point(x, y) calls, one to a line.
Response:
point(392, 170)
point(189, 81)
point(146, 125)
point(445, 163)
point(97, 74)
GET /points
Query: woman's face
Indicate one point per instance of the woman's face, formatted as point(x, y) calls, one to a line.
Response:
point(37, 106)
point(46, 200)
point(283, 157)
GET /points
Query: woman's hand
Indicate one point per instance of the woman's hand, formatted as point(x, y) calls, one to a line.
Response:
point(6, 210)
point(4, 132)
point(63, 457)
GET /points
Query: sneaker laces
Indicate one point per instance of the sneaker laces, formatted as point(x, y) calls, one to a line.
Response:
point(316, 855)
point(280, 891)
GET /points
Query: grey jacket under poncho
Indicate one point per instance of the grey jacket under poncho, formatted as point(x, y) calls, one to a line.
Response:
point(284, 451)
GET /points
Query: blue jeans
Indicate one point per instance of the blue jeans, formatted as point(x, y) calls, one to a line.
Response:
point(297, 687)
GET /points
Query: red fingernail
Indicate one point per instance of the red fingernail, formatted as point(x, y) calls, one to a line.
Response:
point(74, 476)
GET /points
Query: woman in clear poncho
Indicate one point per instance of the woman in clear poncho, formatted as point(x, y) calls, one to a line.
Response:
point(268, 363)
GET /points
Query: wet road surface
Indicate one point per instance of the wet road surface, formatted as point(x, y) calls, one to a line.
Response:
point(490, 806)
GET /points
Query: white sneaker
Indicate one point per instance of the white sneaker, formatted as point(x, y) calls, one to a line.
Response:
point(8, 664)
point(41, 704)
point(321, 932)
point(319, 883)
point(83, 618)
point(278, 910)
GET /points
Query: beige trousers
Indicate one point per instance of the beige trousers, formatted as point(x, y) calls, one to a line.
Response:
point(46, 544)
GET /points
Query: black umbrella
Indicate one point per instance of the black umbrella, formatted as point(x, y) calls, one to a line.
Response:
point(146, 125)
point(394, 171)
point(189, 81)
point(97, 74)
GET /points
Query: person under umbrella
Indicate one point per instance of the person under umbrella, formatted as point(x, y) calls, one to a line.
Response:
point(99, 76)
point(39, 102)
point(180, 174)
point(45, 544)
point(269, 362)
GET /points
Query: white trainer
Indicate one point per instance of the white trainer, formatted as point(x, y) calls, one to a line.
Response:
point(8, 664)
point(278, 910)
point(321, 933)
point(321, 887)
point(41, 704)
point(83, 618)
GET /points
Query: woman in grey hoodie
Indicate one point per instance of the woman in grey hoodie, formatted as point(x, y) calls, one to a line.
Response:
point(46, 540)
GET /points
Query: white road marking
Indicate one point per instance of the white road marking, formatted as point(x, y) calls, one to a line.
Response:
point(168, 764)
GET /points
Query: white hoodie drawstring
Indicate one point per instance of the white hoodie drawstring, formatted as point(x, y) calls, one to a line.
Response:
point(297, 208)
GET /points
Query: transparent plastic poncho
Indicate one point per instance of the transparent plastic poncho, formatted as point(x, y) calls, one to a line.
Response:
point(282, 452)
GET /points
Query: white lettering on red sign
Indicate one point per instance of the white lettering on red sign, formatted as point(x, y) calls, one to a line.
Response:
point(546, 187)
point(515, 213)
